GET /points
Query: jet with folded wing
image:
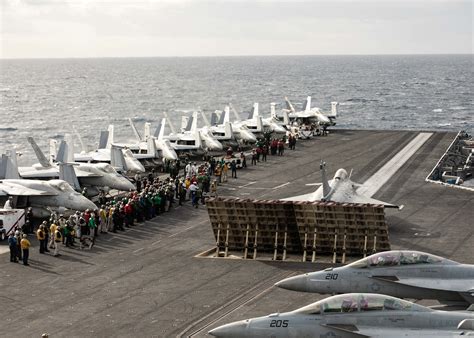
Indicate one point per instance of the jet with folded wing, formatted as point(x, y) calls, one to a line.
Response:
point(405, 274)
point(41, 195)
point(254, 123)
point(270, 124)
point(355, 315)
point(339, 189)
point(309, 114)
point(122, 159)
point(241, 133)
point(93, 176)
point(151, 144)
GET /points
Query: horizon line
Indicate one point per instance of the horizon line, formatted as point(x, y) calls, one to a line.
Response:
point(225, 56)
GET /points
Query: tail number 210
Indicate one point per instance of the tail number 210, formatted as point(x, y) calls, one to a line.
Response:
point(279, 323)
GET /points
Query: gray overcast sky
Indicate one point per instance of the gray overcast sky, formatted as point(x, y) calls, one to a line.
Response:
point(98, 28)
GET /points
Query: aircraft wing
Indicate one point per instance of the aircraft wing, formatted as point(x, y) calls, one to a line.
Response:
point(28, 172)
point(144, 156)
point(8, 188)
point(357, 198)
point(301, 198)
point(82, 173)
point(455, 285)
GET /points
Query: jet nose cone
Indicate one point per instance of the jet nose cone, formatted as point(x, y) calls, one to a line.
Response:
point(231, 330)
point(125, 185)
point(84, 203)
point(296, 283)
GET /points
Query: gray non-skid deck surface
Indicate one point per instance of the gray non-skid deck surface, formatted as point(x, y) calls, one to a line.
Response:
point(146, 282)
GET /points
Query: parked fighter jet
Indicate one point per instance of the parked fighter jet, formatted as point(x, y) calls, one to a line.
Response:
point(339, 189)
point(121, 159)
point(355, 315)
point(405, 274)
point(93, 176)
point(189, 125)
point(312, 114)
point(253, 123)
point(241, 132)
point(190, 140)
point(269, 123)
point(221, 131)
point(41, 195)
point(151, 144)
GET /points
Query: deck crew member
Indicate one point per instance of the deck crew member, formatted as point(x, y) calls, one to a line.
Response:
point(25, 247)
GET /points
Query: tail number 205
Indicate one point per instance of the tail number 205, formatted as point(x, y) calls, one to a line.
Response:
point(279, 323)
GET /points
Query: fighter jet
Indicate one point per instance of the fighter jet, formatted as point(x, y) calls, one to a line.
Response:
point(271, 123)
point(312, 114)
point(190, 140)
point(240, 131)
point(150, 144)
point(93, 176)
point(254, 123)
point(355, 315)
point(219, 130)
point(41, 195)
point(339, 189)
point(405, 274)
point(122, 160)
point(189, 126)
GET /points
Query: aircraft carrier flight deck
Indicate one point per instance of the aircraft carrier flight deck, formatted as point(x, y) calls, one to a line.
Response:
point(147, 281)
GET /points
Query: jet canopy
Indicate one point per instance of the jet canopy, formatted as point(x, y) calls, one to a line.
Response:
point(359, 302)
point(395, 258)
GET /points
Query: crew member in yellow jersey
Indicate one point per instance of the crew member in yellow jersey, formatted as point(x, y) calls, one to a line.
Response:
point(41, 236)
point(25, 247)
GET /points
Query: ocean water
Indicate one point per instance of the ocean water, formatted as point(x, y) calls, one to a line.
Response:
point(46, 98)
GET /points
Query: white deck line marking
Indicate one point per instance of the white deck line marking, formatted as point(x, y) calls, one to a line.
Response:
point(246, 185)
point(281, 185)
point(138, 250)
point(377, 180)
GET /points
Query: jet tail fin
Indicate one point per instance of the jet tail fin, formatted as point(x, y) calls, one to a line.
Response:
point(61, 155)
point(289, 106)
point(215, 116)
point(103, 140)
point(255, 112)
point(333, 109)
point(39, 154)
point(83, 147)
point(70, 148)
point(229, 133)
point(286, 118)
point(110, 139)
point(151, 147)
point(135, 130)
point(326, 187)
point(67, 173)
point(307, 105)
point(226, 113)
point(117, 160)
point(197, 135)
point(8, 167)
point(237, 117)
point(273, 113)
point(53, 150)
point(259, 124)
point(147, 134)
point(160, 130)
point(194, 121)
point(173, 130)
point(206, 121)
point(186, 122)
